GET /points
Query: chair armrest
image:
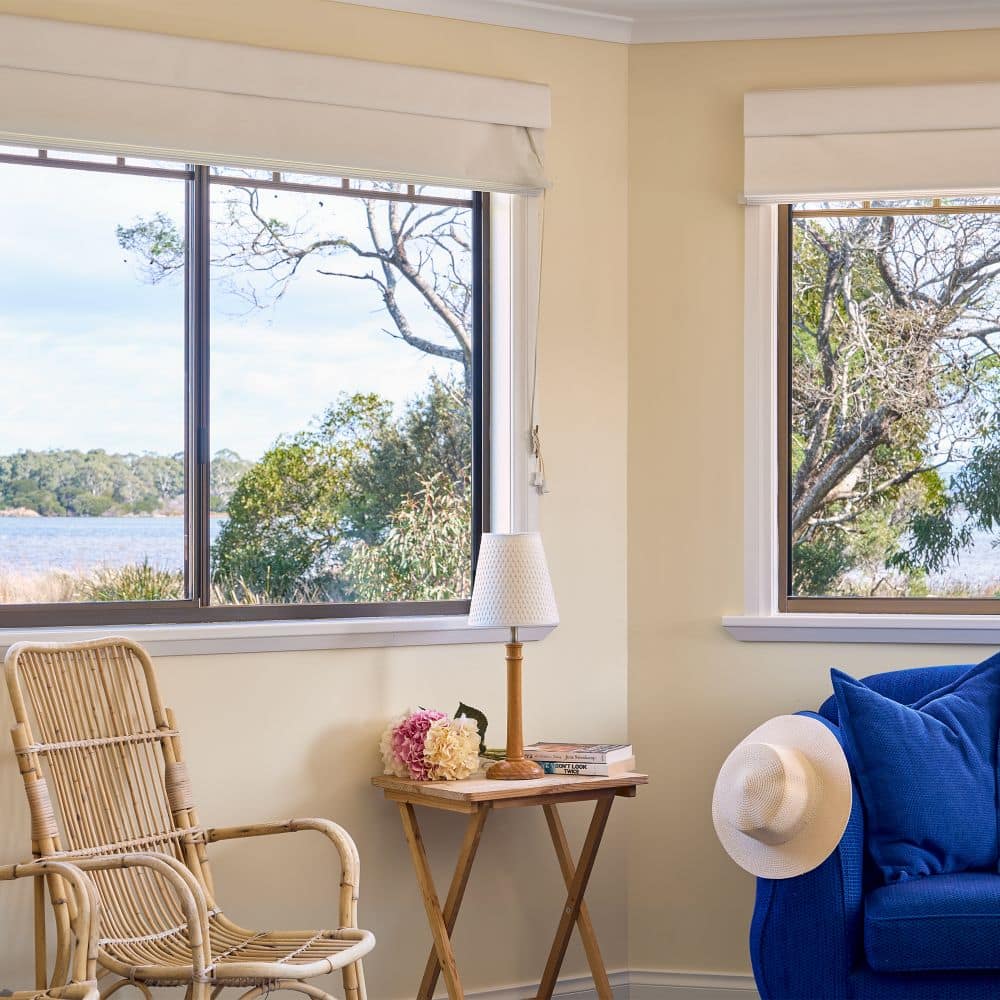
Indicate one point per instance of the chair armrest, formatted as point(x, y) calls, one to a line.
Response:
point(82, 970)
point(350, 861)
point(182, 883)
point(805, 937)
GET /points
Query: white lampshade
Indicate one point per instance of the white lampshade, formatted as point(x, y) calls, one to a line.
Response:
point(512, 583)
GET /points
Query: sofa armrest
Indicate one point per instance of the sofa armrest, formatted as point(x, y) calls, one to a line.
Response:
point(805, 937)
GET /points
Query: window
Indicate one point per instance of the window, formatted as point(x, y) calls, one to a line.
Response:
point(237, 394)
point(889, 406)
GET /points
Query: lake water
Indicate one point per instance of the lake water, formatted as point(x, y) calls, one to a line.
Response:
point(36, 544)
point(979, 564)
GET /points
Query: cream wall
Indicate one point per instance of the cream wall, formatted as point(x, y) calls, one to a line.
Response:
point(694, 691)
point(274, 736)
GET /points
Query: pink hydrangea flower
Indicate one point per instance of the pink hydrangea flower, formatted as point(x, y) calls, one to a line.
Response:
point(409, 740)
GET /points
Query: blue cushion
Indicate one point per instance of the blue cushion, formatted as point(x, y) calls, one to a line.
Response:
point(940, 922)
point(927, 773)
point(906, 686)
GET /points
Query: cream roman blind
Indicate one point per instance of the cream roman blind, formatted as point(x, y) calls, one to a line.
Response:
point(808, 145)
point(133, 93)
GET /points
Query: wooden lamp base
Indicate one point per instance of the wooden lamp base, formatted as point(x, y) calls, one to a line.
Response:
point(514, 770)
point(516, 767)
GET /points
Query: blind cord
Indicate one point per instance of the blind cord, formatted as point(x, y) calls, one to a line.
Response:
point(538, 479)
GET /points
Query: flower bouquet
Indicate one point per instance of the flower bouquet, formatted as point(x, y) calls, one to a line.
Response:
point(431, 746)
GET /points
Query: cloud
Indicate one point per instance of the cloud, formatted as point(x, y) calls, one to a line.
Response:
point(94, 355)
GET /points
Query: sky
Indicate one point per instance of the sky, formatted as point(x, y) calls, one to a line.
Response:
point(92, 356)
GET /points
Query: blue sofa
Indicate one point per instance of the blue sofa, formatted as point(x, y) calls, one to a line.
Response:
point(836, 933)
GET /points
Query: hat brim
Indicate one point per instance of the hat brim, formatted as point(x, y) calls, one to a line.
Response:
point(809, 848)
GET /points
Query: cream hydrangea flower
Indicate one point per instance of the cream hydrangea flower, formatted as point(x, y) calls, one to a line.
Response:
point(452, 749)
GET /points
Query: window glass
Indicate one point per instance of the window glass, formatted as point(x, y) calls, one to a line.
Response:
point(893, 352)
point(342, 384)
point(92, 412)
point(234, 394)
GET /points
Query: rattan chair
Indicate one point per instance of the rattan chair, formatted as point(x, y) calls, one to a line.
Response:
point(81, 899)
point(104, 775)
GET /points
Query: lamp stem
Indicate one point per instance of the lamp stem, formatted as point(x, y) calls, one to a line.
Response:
point(515, 766)
point(515, 732)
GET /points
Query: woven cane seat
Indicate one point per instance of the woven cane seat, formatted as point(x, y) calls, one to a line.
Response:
point(240, 958)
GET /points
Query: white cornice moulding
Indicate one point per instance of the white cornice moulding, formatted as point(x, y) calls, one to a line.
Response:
point(732, 23)
point(790, 21)
point(552, 18)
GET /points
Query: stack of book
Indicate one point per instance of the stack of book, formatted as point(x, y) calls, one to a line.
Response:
point(599, 760)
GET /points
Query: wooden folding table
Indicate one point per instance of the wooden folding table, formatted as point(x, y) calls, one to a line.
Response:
point(476, 798)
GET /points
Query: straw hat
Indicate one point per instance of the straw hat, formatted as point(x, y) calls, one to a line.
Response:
point(783, 798)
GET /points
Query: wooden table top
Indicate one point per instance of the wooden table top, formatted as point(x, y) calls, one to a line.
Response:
point(449, 794)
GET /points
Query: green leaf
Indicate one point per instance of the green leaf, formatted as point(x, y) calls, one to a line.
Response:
point(467, 712)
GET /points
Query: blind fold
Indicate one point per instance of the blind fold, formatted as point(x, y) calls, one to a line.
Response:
point(871, 142)
point(83, 87)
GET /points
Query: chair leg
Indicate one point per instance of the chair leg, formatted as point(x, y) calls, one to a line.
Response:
point(350, 977)
point(354, 982)
point(41, 948)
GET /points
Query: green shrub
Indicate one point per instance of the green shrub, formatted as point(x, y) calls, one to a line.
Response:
point(135, 582)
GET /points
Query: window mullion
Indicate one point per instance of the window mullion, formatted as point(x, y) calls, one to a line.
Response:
point(199, 457)
point(481, 371)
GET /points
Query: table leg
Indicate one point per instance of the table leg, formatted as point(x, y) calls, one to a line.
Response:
point(442, 943)
point(466, 856)
point(574, 898)
point(586, 928)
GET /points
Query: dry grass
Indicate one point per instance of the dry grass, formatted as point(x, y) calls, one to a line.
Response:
point(53, 587)
point(138, 582)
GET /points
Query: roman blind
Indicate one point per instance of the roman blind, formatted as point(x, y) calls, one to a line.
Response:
point(809, 145)
point(133, 93)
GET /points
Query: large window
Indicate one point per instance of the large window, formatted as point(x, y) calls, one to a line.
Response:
point(889, 406)
point(237, 394)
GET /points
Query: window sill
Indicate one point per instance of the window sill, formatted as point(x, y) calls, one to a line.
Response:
point(281, 636)
point(964, 630)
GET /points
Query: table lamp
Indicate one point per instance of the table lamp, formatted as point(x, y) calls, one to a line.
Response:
point(513, 590)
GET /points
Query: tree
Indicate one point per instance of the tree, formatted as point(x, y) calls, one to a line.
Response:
point(895, 386)
point(286, 516)
point(426, 554)
point(405, 245)
point(431, 440)
point(296, 515)
point(91, 483)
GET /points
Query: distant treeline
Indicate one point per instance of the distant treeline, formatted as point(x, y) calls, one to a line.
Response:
point(94, 483)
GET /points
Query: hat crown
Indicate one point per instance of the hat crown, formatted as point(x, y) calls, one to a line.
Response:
point(772, 791)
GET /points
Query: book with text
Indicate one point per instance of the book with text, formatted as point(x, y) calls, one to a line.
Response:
point(588, 770)
point(581, 753)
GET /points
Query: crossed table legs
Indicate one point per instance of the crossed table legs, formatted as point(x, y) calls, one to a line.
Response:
point(574, 914)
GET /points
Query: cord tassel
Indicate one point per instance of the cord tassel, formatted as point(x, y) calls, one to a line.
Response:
point(538, 476)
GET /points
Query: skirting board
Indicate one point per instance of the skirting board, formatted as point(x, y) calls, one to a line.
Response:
point(642, 986)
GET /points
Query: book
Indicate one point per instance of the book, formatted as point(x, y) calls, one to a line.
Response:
point(588, 770)
point(581, 753)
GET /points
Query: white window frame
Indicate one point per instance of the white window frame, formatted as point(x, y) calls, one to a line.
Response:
point(515, 231)
point(761, 621)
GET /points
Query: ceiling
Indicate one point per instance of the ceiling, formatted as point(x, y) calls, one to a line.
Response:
point(693, 20)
